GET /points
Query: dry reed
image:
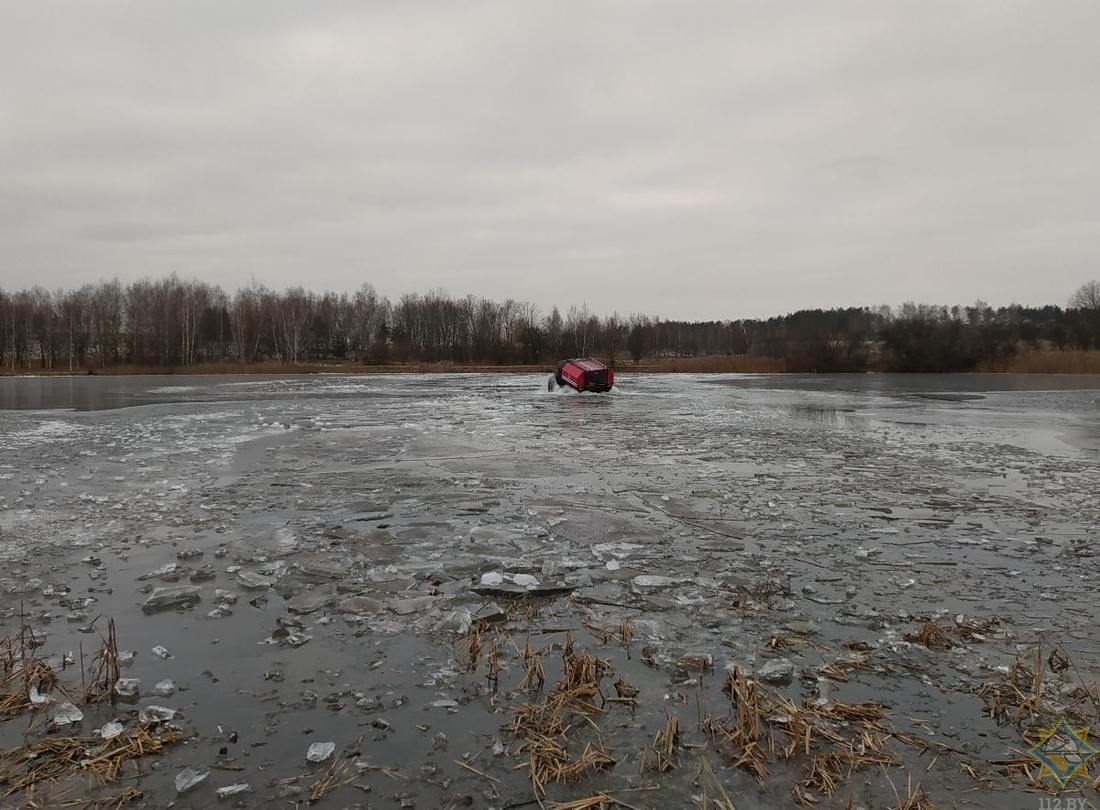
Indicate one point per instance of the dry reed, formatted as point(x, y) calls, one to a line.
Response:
point(51, 758)
point(338, 774)
point(659, 756)
point(548, 727)
point(1042, 361)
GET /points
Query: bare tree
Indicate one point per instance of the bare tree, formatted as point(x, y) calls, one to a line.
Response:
point(216, 321)
point(554, 327)
point(76, 318)
point(367, 315)
point(292, 316)
point(194, 299)
point(46, 326)
point(107, 308)
point(640, 327)
point(1086, 300)
point(138, 313)
point(612, 338)
point(1087, 296)
point(7, 312)
point(578, 327)
point(531, 337)
point(244, 322)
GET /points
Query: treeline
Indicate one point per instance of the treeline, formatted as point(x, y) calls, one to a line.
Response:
point(175, 323)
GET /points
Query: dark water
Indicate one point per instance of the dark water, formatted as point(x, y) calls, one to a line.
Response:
point(100, 393)
point(84, 393)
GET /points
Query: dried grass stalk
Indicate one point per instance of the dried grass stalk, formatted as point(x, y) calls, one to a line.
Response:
point(52, 758)
point(933, 637)
point(545, 727)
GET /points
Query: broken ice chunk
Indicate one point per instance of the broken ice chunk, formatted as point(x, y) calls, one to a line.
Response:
point(156, 714)
point(457, 622)
point(110, 730)
point(297, 639)
point(779, 672)
point(319, 752)
point(653, 581)
point(165, 688)
point(254, 581)
point(232, 790)
point(129, 689)
point(189, 778)
point(172, 597)
point(67, 713)
point(166, 571)
point(38, 699)
point(203, 573)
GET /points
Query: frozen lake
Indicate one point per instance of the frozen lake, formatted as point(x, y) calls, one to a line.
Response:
point(364, 524)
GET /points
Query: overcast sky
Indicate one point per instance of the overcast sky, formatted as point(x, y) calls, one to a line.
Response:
point(683, 160)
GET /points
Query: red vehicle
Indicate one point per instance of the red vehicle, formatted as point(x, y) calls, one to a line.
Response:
point(583, 374)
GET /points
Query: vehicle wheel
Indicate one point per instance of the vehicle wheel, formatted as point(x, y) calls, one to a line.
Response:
point(551, 383)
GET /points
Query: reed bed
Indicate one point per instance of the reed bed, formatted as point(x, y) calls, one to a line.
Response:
point(28, 684)
point(53, 758)
point(1041, 361)
point(831, 738)
point(935, 636)
point(1042, 685)
point(711, 364)
point(659, 757)
point(557, 732)
point(340, 773)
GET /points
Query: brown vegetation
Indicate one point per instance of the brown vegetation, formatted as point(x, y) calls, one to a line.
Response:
point(47, 761)
point(1050, 361)
point(710, 364)
point(1041, 361)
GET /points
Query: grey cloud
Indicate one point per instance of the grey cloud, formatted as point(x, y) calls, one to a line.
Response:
point(685, 160)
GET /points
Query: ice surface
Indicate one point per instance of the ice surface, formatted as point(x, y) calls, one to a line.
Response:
point(683, 517)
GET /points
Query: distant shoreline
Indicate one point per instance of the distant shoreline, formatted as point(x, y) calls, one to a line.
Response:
point(1045, 361)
